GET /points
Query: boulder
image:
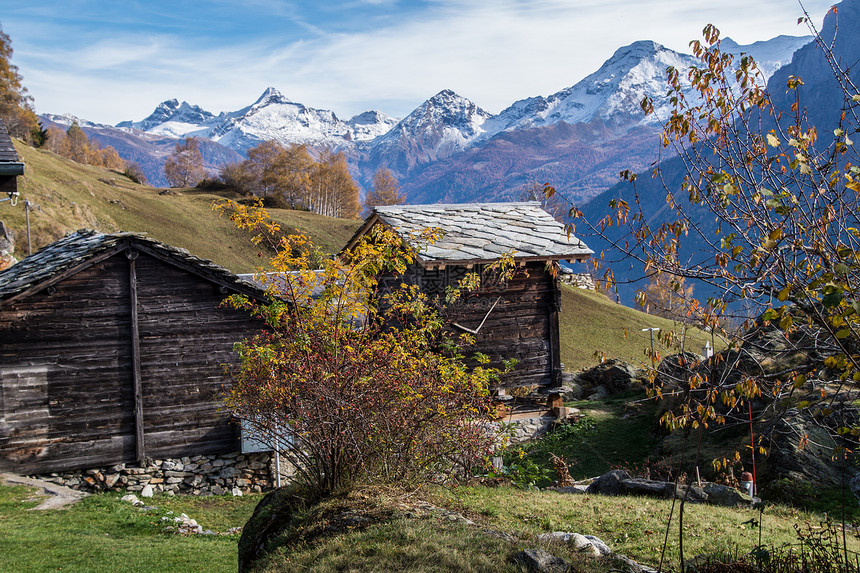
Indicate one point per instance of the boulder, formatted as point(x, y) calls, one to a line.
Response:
point(725, 495)
point(615, 376)
point(539, 561)
point(610, 483)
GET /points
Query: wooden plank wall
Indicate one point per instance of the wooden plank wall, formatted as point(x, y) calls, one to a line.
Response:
point(184, 341)
point(66, 387)
point(65, 373)
point(520, 326)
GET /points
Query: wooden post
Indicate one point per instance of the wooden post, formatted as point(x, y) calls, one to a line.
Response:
point(554, 341)
point(140, 448)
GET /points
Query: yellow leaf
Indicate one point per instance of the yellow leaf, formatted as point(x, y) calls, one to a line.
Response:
point(772, 140)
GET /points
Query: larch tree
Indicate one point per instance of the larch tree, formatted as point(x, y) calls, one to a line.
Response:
point(385, 190)
point(333, 190)
point(184, 167)
point(16, 105)
point(75, 145)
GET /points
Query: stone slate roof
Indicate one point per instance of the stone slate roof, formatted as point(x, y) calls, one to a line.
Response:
point(480, 232)
point(7, 150)
point(74, 251)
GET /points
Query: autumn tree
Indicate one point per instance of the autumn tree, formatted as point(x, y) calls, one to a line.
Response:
point(333, 191)
point(16, 105)
point(785, 196)
point(350, 384)
point(666, 295)
point(75, 145)
point(279, 173)
point(385, 190)
point(184, 166)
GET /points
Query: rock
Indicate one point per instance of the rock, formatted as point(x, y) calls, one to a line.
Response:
point(653, 488)
point(629, 565)
point(540, 561)
point(573, 489)
point(236, 492)
point(132, 499)
point(725, 495)
point(610, 483)
point(615, 376)
point(572, 392)
point(147, 491)
point(598, 544)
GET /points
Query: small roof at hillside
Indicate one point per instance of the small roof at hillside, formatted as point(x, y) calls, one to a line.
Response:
point(10, 163)
point(481, 232)
point(86, 247)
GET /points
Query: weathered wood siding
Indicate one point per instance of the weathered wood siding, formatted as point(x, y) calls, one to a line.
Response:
point(65, 373)
point(66, 383)
point(523, 324)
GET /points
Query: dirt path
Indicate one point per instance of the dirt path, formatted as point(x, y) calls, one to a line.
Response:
point(59, 497)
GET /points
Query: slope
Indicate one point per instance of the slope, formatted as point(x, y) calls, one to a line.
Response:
point(71, 196)
point(592, 327)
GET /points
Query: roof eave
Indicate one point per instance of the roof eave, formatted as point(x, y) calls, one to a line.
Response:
point(9, 169)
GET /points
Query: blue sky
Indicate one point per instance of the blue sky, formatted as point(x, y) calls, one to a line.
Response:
point(109, 61)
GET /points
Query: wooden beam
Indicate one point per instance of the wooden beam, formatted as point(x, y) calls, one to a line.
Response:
point(554, 337)
point(140, 446)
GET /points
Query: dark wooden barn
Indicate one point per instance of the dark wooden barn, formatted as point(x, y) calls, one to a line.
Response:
point(112, 350)
point(11, 166)
point(517, 318)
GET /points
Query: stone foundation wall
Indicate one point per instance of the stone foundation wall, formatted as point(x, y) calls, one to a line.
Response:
point(519, 431)
point(198, 475)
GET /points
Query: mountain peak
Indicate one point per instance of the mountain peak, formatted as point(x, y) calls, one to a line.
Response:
point(271, 95)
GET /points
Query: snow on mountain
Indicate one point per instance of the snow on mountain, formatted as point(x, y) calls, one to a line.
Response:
point(612, 92)
point(272, 116)
point(770, 55)
point(438, 128)
point(67, 119)
point(370, 125)
point(174, 119)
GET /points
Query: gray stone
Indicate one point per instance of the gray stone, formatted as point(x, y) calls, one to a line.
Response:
point(598, 543)
point(540, 561)
point(725, 495)
point(228, 472)
point(610, 483)
point(147, 491)
point(236, 492)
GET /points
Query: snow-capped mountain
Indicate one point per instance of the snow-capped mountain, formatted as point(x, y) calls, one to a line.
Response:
point(173, 119)
point(369, 125)
point(438, 128)
point(447, 130)
point(612, 92)
point(770, 55)
point(272, 116)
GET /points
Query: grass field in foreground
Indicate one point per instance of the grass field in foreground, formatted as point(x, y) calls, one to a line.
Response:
point(102, 533)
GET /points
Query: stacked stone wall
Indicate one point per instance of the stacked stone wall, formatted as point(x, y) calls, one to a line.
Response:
point(197, 475)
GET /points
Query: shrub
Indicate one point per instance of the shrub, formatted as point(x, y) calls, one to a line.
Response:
point(356, 385)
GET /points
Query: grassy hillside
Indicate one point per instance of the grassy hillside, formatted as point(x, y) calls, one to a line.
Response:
point(590, 323)
point(71, 196)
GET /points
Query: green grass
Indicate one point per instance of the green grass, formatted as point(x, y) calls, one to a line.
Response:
point(633, 526)
point(399, 535)
point(72, 196)
point(591, 326)
point(103, 533)
point(605, 436)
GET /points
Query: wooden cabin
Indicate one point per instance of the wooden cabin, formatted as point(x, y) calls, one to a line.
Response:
point(517, 318)
point(112, 349)
point(11, 166)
